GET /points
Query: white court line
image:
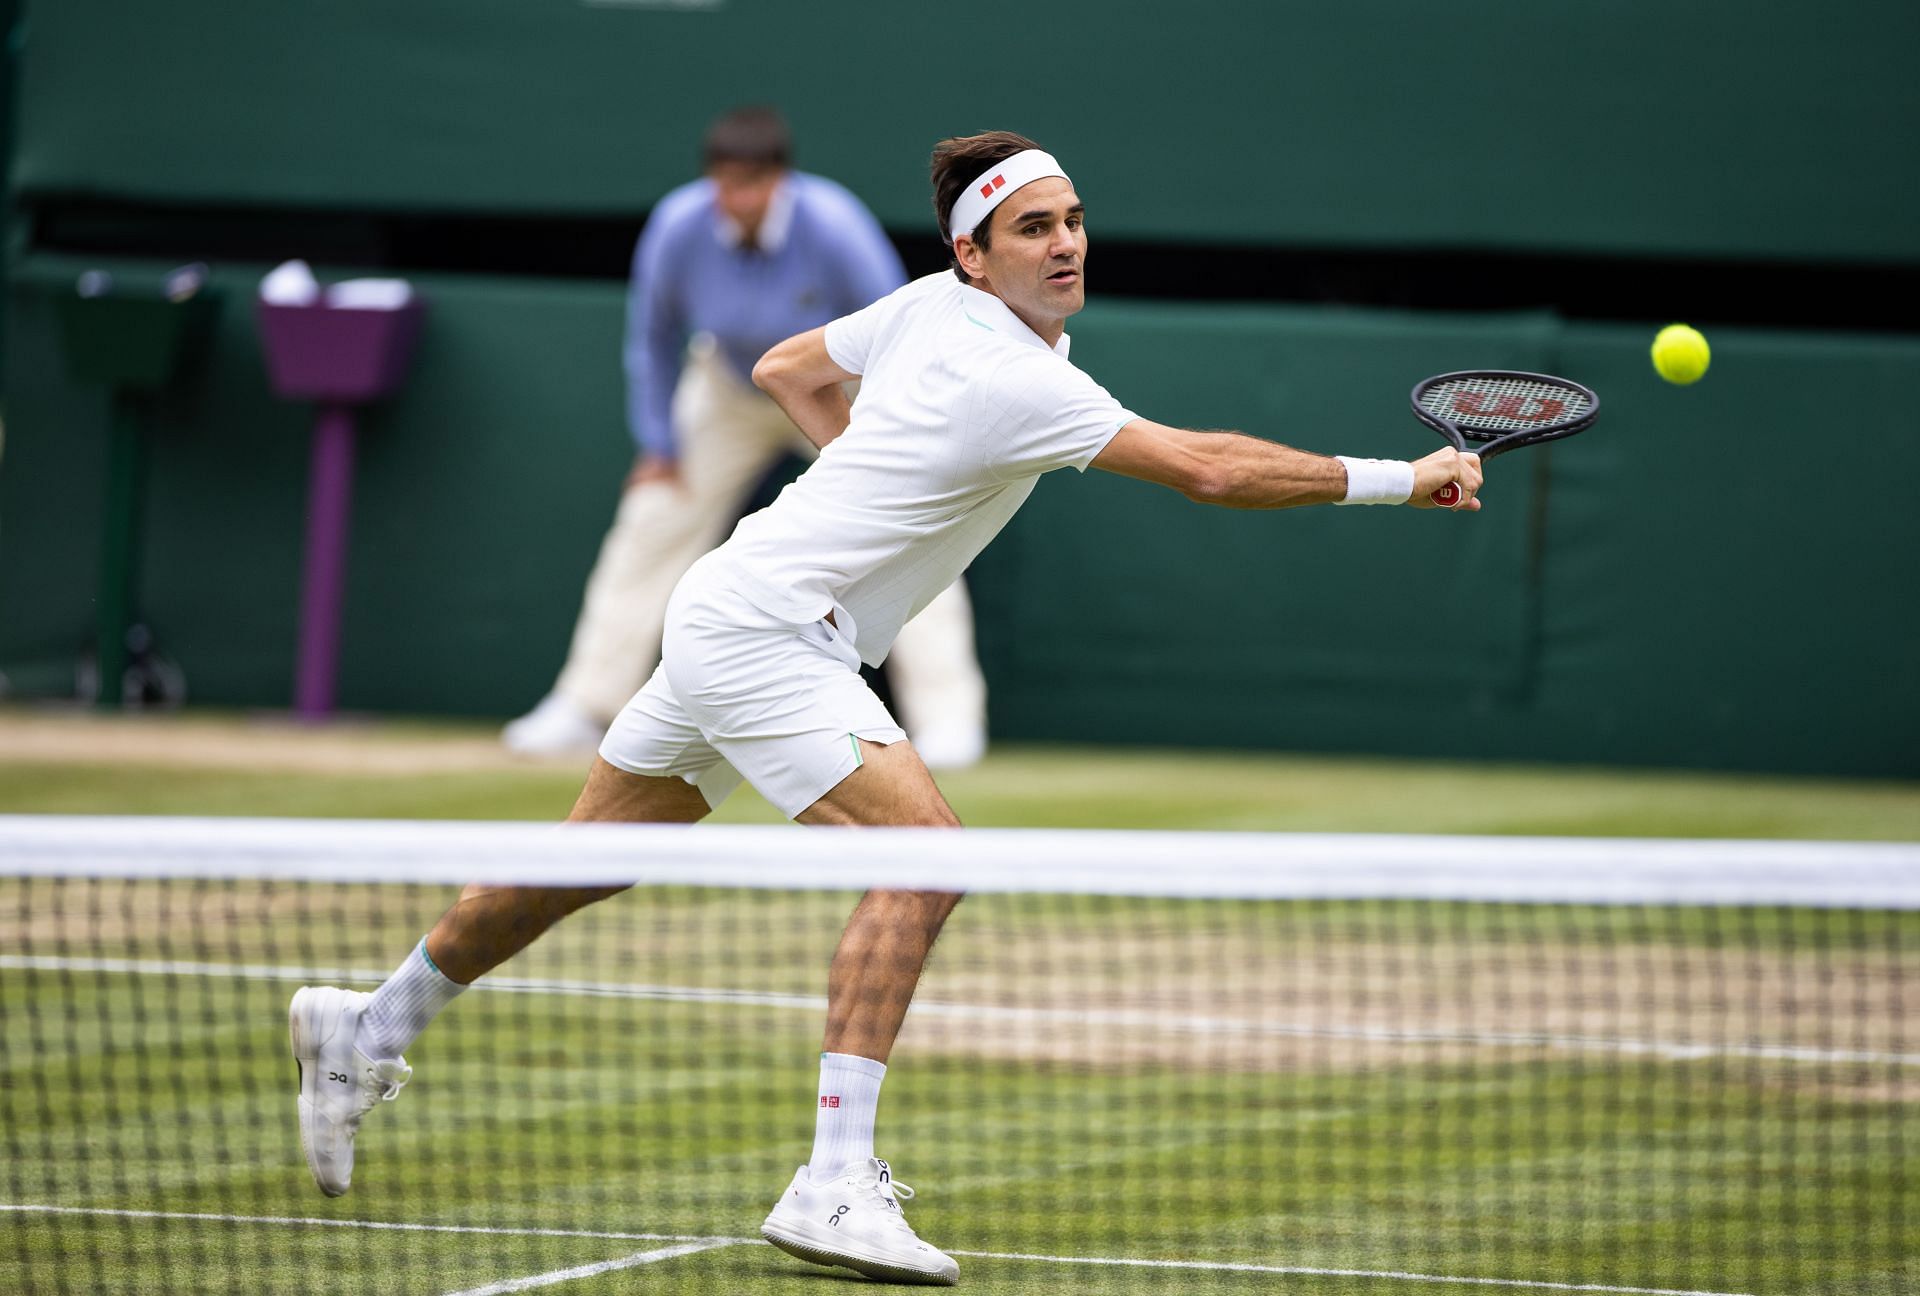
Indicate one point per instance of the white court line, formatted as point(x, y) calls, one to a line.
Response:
point(35, 1209)
point(1338, 1273)
point(708, 1243)
point(1674, 1050)
point(589, 1270)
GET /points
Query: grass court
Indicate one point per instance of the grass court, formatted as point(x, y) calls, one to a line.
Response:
point(1097, 1096)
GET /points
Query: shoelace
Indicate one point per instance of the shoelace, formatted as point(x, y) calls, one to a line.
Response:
point(376, 1088)
point(869, 1182)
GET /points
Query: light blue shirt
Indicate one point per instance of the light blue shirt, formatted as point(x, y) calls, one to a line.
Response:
point(824, 256)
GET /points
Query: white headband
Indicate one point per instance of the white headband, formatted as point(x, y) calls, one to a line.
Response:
point(977, 201)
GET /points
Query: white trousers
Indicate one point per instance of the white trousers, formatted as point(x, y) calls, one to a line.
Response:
point(742, 694)
point(732, 435)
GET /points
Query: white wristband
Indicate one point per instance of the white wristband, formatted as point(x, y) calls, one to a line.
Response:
point(1377, 481)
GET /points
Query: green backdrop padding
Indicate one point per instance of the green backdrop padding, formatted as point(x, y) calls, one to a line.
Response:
point(1144, 585)
point(1711, 577)
point(1723, 583)
point(1773, 128)
point(480, 498)
point(1734, 564)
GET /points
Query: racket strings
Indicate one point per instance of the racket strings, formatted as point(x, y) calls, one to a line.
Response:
point(1487, 407)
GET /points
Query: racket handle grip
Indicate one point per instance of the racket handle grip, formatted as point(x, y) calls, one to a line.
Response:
point(1447, 496)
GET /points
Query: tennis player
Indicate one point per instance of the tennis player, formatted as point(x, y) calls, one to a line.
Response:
point(967, 398)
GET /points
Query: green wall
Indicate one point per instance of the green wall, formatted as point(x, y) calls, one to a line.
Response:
point(1760, 129)
point(1717, 576)
point(1711, 577)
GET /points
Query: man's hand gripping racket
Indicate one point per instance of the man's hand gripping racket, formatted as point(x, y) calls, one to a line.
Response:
point(1500, 410)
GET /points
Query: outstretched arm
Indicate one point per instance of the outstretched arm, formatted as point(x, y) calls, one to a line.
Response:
point(803, 379)
point(656, 339)
point(1238, 471)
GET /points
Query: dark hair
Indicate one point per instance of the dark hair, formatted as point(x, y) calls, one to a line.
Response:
point(956, 162)
point(756, 135)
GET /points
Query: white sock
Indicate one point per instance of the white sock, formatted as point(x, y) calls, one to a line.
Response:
point(843, 1122)
point(403, 1005)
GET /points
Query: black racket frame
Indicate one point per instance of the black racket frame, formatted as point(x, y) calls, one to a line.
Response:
point(1489, 444)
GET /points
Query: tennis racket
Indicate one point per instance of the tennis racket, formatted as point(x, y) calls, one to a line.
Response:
point(1500, 410)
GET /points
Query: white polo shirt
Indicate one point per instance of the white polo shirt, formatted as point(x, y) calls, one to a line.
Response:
point(961, 408)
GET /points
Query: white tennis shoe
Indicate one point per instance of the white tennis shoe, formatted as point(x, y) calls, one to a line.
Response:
point(854, 1220)
point(338, 1083)
point(556, 727)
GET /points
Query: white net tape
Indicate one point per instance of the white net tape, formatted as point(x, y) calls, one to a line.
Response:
point(1545, 870)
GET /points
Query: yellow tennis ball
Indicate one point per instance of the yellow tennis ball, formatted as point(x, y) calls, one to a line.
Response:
point(1680, 354)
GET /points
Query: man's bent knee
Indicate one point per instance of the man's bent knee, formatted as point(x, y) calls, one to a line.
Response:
point(612, 795)
point(891, 788)
point(925, 909)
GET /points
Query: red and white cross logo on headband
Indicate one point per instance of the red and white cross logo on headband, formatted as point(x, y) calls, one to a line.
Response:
point(973, 203)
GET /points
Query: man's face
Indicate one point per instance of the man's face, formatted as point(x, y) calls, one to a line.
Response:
point(744, 190)
point(1036, 263)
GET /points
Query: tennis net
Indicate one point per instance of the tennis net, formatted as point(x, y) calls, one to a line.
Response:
point(1137, 1061)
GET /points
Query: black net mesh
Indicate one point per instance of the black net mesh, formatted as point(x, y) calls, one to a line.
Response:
point(1092, 1092)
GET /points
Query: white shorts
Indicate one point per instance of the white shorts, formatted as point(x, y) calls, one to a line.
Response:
point(740, 693)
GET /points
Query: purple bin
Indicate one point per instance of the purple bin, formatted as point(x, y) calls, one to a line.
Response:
point(336, 354)
point(340, 358)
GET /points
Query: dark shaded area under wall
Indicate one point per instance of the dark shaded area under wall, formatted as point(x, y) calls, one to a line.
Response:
point(1796, 295)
